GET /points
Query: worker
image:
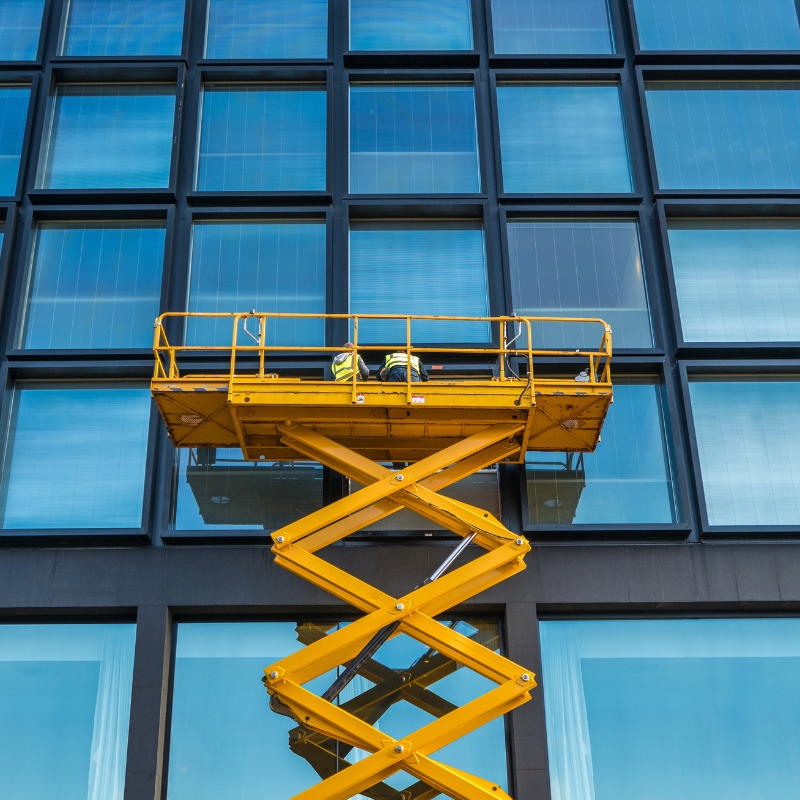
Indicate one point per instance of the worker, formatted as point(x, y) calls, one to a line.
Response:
point(342, 366)
point(394, 368)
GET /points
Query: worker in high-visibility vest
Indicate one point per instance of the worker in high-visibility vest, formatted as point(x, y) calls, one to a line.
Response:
point(342, 366)
point(394, 368)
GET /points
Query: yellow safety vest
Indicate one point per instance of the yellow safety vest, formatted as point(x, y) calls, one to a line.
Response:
point(399, 360)
point(343, 370)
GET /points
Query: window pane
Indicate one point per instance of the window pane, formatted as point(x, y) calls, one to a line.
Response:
point(109, 136)
point(123, 28)
point(551, 26)
point(20, 25)
point(628, 479)
point(215, 489)
point(267, 29)
point(275, 267)
point(748, 443)
point(413, 139)
point(262, 137)
point(672, 709)
point(737, 280)
point(551, 134)
point(13, 115)
point(717, 24)
point(65, 702)
point(94, 284)
point(579, 268)
point(435, 268)
point(410, 25)
point(726, 135)
point(222, 726)
point(75, 456)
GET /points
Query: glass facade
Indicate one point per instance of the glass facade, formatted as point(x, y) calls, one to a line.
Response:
point(551, 134)
point(65, 707)
point(262, 137)
point(14, 99)
point(628, 703)
point(413, 139)
point(20, 26)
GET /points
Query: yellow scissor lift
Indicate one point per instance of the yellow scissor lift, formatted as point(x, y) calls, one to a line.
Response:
point(443, 430)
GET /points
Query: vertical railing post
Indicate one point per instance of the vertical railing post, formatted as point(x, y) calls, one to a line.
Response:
point(262, 340)
point(355, 357)
point(530, 360)
point(504, 330)
point(233, 349)
point(408, 360)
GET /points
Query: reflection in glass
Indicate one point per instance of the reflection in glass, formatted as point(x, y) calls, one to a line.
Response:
point(442, 266)
point(748, 444)
point(628, 704)
point(20, 25)
point(715, 25)
point(65, 699)
point(222, 724)
point(551, 135)
point(94, 284)
point(265, 137)
point(75, 455)
point(276, 267)
point(551, 26)
point(410, 25)
point(13, 116)
point(725, 135)
point(123, 28)
point(105, 136)
point(413, 139)
point(267, 29)
point(738, 280)
point(579, 268)
point(628, 478)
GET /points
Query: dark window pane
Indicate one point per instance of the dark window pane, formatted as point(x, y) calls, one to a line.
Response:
point(579, 268)
point(410, 25)
point(20, 25)
point(94, 284)
point(748, 443)
point(64, 710)
point(75, 456)
point(726, 135)
point(628, 702)
point(413, 139)
point(262, 137)
point(717, 24)
point(628, 479)
point(276, 267)
point(109, 136)
point(551, 135)
point(123, 28)
point(267, 29)
point(14, 101)
point(551, 26)
point(436, 268)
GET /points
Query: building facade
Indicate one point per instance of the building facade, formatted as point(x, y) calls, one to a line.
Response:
point(634, 161)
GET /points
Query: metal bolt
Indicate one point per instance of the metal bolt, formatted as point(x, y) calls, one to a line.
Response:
point(399, 606)
point(280, 539)
point(526, 677)
point(273, 675)
point(399, 749)
point(400, 477)
point(518, 541)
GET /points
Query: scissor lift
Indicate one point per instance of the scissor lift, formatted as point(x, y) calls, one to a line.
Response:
point(442, 430)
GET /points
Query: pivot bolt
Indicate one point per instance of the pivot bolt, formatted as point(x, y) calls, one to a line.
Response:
point(280, 540)
point(400, 477)
point(399, 749)
point(518, 541)
point(399, 606)
point(273, 675)
point(526, 677)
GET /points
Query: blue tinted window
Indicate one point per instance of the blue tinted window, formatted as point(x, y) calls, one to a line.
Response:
point(413, 139)
point(628, 704)
point(20, 25)
point(109, 136)
point(267, 29)
point(65, 710)
point(436, 268)
point(628, 478)
point(94, 284)
point(123, 28)
point(579, 268)
point(551, 136)
point(410, 25)
point(270, 266)
point(13, 115)
point(726, 135)
point(717, 24)
point(262, 137)
point(75, 456)
point(737, 280)
point(551, 26)
point(748, 443)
